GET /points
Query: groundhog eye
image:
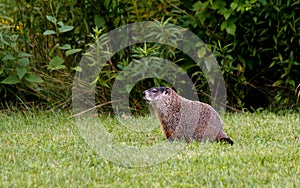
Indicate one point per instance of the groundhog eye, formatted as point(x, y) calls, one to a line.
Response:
point(154, 91)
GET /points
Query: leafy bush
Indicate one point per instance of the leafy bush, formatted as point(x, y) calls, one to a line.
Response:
point(259, 50)
point(256, 43)
point(32, 58)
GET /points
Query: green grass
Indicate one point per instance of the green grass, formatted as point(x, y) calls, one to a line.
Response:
point(44, 149)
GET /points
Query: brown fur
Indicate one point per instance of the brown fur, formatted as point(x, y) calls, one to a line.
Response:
point(185, 119)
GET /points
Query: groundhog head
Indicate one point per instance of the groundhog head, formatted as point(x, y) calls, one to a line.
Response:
point(157, 94)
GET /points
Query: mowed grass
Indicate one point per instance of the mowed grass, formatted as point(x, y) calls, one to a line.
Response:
point(45, 149)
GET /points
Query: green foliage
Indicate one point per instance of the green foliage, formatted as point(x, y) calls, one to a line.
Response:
point(256, 43)
point(110, 71)
point(37, 55)
point(19, 69)
point(258, 50)
point(56, 62)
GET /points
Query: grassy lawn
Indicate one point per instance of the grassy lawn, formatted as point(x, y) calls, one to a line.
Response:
point(45, 149)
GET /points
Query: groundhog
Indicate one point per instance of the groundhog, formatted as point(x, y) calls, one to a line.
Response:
point(184, 119)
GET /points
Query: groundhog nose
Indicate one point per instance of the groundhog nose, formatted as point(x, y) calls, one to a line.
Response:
point(144, 93)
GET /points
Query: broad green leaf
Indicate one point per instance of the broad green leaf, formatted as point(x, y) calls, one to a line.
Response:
point(222, 10)
point(49, 32)
point(56, 63)
point(229, 26)
point(13, 79)
point(197, 6)
point(231, 29)
point(23, 54)
point(65, 47)
point(263, 2)
point(56, 60)
point(225, 12)
point(223, 25)
point(218, 4)
point(73, 51)
point(21, 71)
point(60, 23)
point(99, 21)
point(65, 28)
point(234, 5)
point(8, 57)
point(33, 78)
point(51, 19)
point(23, 62)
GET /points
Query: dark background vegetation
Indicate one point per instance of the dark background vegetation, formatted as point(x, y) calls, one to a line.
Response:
point(256, 42)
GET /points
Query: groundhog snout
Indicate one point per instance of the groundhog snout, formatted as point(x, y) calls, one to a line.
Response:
point(146, 96)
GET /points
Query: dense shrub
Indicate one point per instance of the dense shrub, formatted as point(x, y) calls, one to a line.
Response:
point(256, 42)
point(259, 50)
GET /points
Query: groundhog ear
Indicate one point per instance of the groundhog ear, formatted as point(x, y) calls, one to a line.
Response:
point(167, 91)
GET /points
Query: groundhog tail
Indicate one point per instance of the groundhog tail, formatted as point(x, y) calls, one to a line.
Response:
point(227, 140)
